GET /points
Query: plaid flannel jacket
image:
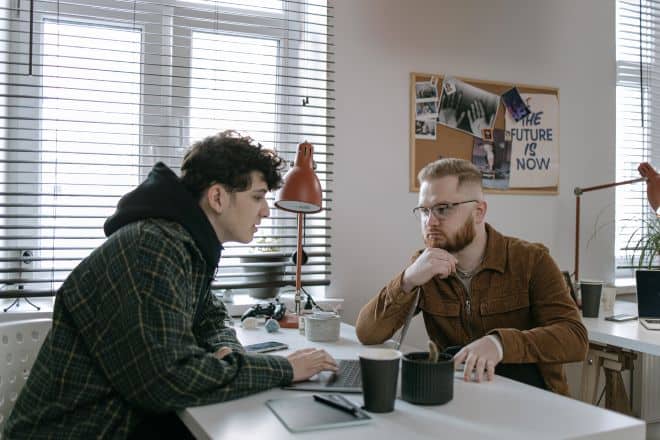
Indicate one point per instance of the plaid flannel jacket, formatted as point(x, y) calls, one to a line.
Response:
point(134, 332)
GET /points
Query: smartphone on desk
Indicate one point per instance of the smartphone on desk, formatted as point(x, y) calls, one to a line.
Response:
point(265, 347)
point(621, 317)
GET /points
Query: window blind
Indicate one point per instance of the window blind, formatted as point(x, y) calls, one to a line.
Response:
point(94, 93)
point(637, 121)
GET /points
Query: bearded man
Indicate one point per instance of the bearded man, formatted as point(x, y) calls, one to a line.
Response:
point(502, 300)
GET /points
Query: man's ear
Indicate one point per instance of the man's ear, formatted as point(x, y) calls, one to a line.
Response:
point(217, 198)
point(480, 212)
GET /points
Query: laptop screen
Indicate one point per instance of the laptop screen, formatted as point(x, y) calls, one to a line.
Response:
point(648, 293)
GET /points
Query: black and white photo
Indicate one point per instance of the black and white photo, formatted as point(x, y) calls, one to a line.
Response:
point(425, 128)
point(426, 91)
point(426, 110)
point(467, 108)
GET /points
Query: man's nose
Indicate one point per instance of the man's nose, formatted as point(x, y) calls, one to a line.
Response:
point(432, 219)
point(265, 210)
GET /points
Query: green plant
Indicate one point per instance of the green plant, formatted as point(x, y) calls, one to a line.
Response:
point(644, 243)
point(267, 244)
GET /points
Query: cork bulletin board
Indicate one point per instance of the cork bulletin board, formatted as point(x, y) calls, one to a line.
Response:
point(478, 121)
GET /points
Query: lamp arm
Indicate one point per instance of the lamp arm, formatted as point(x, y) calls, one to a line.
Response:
point(578, 192)
point(297, 300)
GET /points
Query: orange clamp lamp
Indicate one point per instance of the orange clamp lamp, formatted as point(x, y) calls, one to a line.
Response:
point(300, 193)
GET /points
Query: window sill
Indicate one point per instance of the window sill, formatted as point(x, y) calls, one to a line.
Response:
point(240, 303)
point(25, 310)
point(624, 286)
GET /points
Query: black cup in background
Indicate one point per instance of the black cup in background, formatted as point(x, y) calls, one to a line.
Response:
point(590, 293)
point(379, 381)
point(424, 382)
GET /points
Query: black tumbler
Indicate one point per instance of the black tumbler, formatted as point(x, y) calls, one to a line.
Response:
point(380, 373)
point(590, 293)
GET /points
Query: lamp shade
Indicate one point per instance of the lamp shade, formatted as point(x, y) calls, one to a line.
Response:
point(301, 191)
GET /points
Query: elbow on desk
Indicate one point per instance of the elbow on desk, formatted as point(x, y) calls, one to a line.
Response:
point(368, 334)
point(583, 337)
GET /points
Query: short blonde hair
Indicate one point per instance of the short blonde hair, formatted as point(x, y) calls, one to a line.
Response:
point(464, 170)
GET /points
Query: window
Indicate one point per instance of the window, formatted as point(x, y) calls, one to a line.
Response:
point(97, 92)
point(76, 182)
point(637, 133)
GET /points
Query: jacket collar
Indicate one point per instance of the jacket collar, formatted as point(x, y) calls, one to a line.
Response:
point(496, 250)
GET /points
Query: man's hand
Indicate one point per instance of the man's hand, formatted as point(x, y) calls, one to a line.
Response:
point(310, 361)
point(652, 184)
point(222, 352)
point(431, 262)
point(479, 356)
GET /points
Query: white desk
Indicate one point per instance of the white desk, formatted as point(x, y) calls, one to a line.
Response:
point(630, 335)
point(498, 409)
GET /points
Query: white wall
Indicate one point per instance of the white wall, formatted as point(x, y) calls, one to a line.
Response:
point(563, 43)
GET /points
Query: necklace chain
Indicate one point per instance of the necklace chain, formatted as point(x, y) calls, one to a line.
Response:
point(469, 273)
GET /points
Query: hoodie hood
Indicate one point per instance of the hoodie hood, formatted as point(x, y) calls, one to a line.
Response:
point(162, 195)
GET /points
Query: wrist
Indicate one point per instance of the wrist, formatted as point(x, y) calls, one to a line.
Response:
point(498, 344)
point(406, 285)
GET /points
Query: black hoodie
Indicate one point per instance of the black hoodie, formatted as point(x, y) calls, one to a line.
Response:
point(162, 195)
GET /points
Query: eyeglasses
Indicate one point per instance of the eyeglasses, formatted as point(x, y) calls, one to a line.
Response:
point(440, 211)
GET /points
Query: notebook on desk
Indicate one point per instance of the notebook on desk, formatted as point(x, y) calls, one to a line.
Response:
point(303, 413)
point(648, 298)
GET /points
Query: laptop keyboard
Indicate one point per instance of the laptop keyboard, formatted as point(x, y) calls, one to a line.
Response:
point(348, 375)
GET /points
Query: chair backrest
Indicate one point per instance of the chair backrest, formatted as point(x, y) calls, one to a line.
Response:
point(20, 342)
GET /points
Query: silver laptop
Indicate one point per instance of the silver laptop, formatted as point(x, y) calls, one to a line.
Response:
point(648, 298)
point(348, 378)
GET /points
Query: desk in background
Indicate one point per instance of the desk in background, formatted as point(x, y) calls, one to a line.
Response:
point(498, 409)
point(632, 336)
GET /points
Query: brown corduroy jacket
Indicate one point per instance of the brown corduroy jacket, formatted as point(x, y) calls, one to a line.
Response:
point(518, 293)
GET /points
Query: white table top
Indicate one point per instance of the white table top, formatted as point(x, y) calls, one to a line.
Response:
point(498, 409)
point(630, 334)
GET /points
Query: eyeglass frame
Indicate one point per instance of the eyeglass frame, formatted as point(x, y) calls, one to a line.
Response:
point(422, 212)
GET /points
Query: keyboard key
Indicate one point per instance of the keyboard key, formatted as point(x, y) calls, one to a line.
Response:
point(348, 375)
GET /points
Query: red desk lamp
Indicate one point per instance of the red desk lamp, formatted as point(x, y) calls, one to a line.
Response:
point(300, 193)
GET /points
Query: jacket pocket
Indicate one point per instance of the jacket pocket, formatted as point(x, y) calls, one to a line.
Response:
point(505, 304)
point(443, 322)
point(446, 309)
point(511, 311)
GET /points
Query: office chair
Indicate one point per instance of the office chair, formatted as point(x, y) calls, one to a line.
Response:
point(20, 342)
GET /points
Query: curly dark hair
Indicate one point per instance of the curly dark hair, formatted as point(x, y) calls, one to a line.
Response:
point(229, 158)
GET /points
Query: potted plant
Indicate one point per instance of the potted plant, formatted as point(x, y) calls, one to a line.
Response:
point(645, 244)
point(269, 263)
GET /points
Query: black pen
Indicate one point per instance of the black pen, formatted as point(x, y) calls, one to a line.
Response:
point(336, 404)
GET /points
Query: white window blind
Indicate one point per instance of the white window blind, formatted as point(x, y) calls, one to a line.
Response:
point(94, 93)
point(637, 121)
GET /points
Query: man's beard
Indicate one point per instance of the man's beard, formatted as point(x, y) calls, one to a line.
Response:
point(463, 237)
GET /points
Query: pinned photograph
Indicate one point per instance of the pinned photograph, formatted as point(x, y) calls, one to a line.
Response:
point(514, 104)
point(425, 110)
point(448, 86)
point(426, 91)
point(507, 135)
point(493, 158)
point(487, 134)
point(425, 128)
point(467, 108)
